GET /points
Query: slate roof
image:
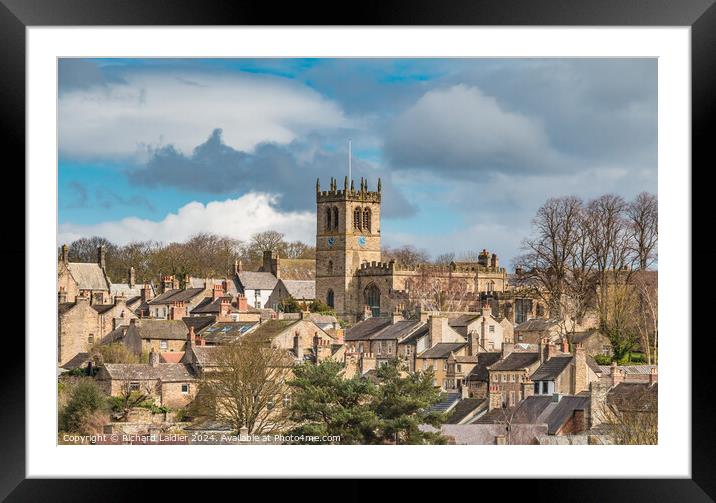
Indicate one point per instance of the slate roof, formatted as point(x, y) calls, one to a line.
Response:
point(564, 410)
point(166, 372)
point(536, 324)
point(552, 368)
point(64, 307)
point(77, 361)
point(257, 280)
point(628, 369)
point(516, 361)
point(102, 308)
point(539, 409)
point(198, 322)
point(462, 320)
point(363, 330)
point(484, 360)
point(592, 364)
point(441, 350)
point(580, 337)
point(633, 396)
point(396, 330)
point(300, 289)
point(176, 295)
point(161, 329)
point(88, 275)
point(420, 332)
point(464, 408)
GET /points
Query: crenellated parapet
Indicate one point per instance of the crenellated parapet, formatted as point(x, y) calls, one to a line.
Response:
point(376, 268)
point(334, 194)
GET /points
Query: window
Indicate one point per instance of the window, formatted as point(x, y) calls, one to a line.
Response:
point(545, 387)
point(335, 217)
point(328, 219)
point(504, 377)
point(494, 378)
point(366, 219)
point(133, 386)
point(492, 328)
point(445, 366)
point(357, 219)
point(330, 267)
point(459, 368)
point(185, 388)
point(163, 345)
point(512, 398)
point(257, 299)
point(90, 339)
point(512, 377)
point(330, 300)
point(537, 388)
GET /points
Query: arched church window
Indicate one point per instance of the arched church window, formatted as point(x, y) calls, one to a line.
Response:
point(372, 298)
point(330, 267)
point(335, 217)
point(329, 298)
point(357, 219)
point(366, 219)
point(328, 219)
point(491, 286)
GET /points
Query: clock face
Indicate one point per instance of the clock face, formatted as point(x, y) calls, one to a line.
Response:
point(331, 242)
point(361, 241)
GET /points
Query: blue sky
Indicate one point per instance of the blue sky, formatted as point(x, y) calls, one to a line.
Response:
point(467, 149)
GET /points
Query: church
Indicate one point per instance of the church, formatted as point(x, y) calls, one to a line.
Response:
point(354, 281)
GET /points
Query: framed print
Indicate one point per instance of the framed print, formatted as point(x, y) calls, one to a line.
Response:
point(424, 244)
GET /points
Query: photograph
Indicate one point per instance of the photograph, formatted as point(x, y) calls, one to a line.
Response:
point(357, 251)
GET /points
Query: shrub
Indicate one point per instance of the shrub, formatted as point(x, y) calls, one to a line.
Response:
point(116, 353)
point(85, 400)
point(603, 359)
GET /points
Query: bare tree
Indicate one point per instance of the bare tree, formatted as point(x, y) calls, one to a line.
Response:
point(248, 388)
point(129, 397)
point(646, 288)
point(405, 255)
point(633, 419)
point(546, 261)
point(643, 218)
point(444, 259)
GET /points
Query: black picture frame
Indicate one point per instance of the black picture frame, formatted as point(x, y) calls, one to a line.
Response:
point(16, 15)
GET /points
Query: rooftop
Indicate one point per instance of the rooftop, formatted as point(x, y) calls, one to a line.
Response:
point(552, 368)
point(441, 350)
point(516, 361)
point(167, 372)
point(88, 275)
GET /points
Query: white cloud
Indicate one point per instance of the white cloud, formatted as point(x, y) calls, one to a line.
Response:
point(236, 218)
point(462, 129)
point(150, 109)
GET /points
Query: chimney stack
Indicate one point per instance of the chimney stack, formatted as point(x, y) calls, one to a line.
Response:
point(101, 256)
point(494, 397)
point(192, 337)
point(653, 375)
point(396, 316)
point(493, 261)
point(177, 310)
point(580, 369)
point(153, 358)
point(146, 293)
point(218, 292)
point(132, 279)
point(507, 348)
point(565, 345)
point(65, 254)
point(62, 296)
point(241, 303)
point(617, 374)
point(438, 325)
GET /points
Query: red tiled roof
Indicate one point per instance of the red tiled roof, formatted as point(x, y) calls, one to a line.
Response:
point(171, 356)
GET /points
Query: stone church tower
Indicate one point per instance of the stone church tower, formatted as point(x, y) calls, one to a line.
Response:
point(347, 235)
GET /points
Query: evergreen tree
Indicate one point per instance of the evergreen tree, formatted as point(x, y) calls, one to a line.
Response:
point(403, 404)
point(324, 402)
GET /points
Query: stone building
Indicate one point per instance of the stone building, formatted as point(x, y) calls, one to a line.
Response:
point(351, 276)
point(86, 279)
